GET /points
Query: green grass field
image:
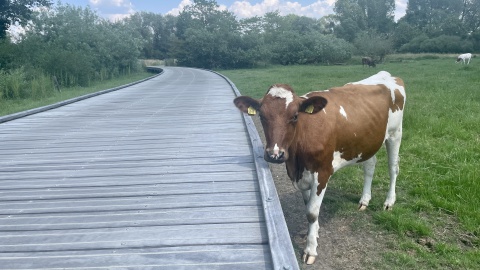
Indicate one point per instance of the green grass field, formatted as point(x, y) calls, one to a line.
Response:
point(436, 220)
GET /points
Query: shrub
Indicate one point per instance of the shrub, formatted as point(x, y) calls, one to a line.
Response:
point(293, 48)
point(440, 44)
point(13, 83)
point(22, 83)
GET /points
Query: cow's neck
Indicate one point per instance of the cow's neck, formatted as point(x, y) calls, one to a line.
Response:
point(295, 165)
point(307, 151)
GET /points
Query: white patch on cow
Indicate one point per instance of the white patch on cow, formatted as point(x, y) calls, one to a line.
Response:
point(343, 112)
point(386, 79)
point(309, 93)
point(324, 111)
point(338, 162)
point(281, 93)
point(276, 149)
point(306, 182)
point(394, 122)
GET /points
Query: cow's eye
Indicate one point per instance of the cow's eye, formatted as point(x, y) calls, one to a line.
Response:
point(294, 118)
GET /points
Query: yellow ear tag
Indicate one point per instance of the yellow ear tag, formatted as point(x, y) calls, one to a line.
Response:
point(309, 109)
point(251, 111)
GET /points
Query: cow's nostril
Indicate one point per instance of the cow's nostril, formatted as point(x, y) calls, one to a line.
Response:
point(277, 156)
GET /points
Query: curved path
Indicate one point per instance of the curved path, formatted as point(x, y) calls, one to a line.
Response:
point(158, 175)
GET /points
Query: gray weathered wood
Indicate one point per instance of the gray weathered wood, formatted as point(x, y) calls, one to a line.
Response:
point(157, 175)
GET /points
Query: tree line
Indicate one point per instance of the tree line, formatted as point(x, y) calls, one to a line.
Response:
point(76, 46)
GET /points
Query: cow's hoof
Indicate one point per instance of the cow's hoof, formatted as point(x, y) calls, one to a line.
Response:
point(362, 207)
point(387, 207)
point(308, 259)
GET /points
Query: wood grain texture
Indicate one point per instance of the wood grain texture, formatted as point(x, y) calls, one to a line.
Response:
point(157, 175)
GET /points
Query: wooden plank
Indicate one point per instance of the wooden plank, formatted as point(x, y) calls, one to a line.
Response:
point(246, 257)
point(11, 209)
point(129, 179)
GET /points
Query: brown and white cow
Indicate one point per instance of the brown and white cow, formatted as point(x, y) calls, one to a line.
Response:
point(321, 132)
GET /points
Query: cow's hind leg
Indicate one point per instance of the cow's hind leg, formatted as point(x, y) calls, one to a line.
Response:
point(368, 171)
point(393, 147)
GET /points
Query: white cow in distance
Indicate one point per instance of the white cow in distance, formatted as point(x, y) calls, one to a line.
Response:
point(464, 57)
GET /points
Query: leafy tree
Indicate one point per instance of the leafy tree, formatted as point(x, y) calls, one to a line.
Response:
point(289, 49)
point(7, 54)
point(205, 14)
point(208, 36)
point(18, 11)
point(329, 50)
point(254, 44)
point(414, 45)
point(144, 23)
point(470, 15)
point(155, 30)
point(354, 16)
point(77, 46)
point(475, 39)
point(433, 16)
point(327, 24)
point(404, 33)
point(301, 24)
point(440, 44)
point(253, 25)
point(273, 25)
point(373, 44)
point(380, 15)
point(445, 44)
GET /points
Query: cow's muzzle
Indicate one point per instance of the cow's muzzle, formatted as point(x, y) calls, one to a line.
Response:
point(276, 155)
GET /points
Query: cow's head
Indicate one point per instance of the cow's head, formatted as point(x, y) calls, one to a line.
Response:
point(280, 110)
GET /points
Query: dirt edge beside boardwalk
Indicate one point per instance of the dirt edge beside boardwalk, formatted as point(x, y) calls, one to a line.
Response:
point(346, 242)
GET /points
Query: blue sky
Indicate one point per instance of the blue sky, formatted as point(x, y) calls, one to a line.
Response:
point(116, 9)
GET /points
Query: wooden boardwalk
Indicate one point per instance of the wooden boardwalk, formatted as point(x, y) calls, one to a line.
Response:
point(164, 174)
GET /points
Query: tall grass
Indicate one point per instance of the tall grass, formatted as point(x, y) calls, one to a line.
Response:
point(18, 93)
point(438, 189)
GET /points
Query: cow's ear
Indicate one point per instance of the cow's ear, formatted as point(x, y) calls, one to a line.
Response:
point(313, 105)
point(247, 104)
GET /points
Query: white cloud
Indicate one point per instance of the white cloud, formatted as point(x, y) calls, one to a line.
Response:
point(400, 8)
point(180, 7)
point(116, 3)
point(185, 3)
point(113, 9)
point(245, 9)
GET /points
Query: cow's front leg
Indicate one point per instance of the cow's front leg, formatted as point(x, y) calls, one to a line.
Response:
point(313, 210)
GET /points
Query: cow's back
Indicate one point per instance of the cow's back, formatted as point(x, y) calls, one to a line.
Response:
point(356, 119)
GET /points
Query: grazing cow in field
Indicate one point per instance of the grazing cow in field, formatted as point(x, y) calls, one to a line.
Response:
point(464, 57)
point(324, 131)
point(368, 61)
